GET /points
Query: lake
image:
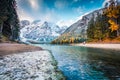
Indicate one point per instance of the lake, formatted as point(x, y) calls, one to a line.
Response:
point(81, 63)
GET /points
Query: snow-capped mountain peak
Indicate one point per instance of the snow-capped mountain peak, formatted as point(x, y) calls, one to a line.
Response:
point(42, 31)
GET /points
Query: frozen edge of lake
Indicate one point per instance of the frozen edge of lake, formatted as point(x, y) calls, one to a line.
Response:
point(37, 65)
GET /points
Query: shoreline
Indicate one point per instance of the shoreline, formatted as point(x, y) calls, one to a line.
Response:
point(11, 48)
point(21, 61)
point(99, 45)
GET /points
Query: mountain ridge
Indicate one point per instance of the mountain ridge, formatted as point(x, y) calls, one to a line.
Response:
point(82, 23)
point(77, 32)
point(43, 32)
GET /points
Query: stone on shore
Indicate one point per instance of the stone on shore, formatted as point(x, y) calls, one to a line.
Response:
point(37, 65)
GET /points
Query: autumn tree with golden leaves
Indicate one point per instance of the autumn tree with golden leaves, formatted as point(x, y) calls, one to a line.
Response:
point(113, 13)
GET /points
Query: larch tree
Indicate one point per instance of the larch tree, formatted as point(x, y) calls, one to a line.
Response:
point(113, 12)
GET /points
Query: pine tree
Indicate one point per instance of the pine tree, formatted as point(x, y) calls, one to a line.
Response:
point(90, 33)
point(9, 22)
point(98, 28)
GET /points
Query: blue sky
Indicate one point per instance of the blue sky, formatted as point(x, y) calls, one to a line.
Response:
point(62, 12)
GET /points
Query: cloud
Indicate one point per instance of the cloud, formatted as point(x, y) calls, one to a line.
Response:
point(46, 15)
point(60, 4)
point(50, 15)
point(34, 4)
point(72, 21)
point(79, 9)
point(91, 1)
point(24, 15)
point(76, 0)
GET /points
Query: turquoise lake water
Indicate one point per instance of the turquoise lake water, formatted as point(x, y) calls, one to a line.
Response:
point(80, 63)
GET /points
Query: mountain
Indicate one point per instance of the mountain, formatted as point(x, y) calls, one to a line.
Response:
point(36, 22)
point(24, 23)
point(80, 27)
point(108, 2)
point(77, 32)
point(42, 32)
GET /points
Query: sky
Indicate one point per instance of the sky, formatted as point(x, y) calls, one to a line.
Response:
point(61, 12)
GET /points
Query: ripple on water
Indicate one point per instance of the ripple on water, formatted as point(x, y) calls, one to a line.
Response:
point(80, 63)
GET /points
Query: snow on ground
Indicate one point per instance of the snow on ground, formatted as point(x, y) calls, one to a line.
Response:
point(38, 65)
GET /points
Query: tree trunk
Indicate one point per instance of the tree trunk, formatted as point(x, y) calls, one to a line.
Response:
point(1, 28)
point(12, 32)
point(118, 33)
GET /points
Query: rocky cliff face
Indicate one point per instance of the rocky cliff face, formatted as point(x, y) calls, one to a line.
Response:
point(9, 22)
point(77, 32)
point(79, 28)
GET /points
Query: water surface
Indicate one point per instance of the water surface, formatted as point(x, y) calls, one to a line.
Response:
point(80, 63)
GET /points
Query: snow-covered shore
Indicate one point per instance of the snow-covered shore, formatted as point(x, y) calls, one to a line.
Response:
point(104, 46)
point(37, 65)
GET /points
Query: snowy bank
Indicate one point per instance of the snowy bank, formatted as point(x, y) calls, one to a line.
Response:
point(38, 65)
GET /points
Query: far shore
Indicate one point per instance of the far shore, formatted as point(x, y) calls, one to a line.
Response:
point(99, 45)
